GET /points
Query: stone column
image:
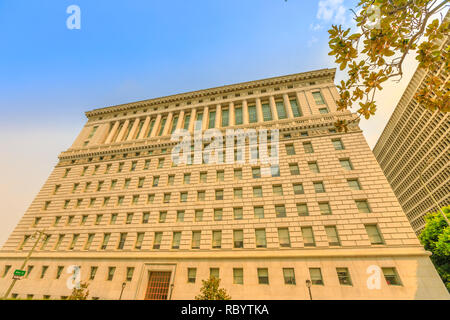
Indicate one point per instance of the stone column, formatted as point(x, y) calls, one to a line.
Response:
point(205, 118)
point(231, 114)
point(245, 115)
point(144, 128)
point(192, 121)
point(168, 124)
point(273, 108)
point(133, 129)
point(259, 112)
point(180, 120)
point(123, 131)
point(303, 103)
point(112, 132)
point(287, 105)
point(156, 126)
point(218, 116)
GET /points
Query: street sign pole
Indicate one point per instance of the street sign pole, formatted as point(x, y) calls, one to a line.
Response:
point(24, 264)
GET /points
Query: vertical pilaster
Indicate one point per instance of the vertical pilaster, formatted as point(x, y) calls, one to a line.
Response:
point(259, 111)
point(192, 121)
point(273, 108)
point(123, 131)
point(144, 128)
point(245, 115)
point(133, 129)
point(156, 126)
point(303, 103)
point(287, 105)
point(218, 116)
point(168, 124)
point(205, 118)
point(112, 133)
point(231, 114)
point(180, 120)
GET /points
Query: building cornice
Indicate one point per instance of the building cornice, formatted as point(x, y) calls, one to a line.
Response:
point(311, 75)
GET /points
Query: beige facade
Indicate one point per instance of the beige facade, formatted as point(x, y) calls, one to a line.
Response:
point(416, 143)
point(116, 206)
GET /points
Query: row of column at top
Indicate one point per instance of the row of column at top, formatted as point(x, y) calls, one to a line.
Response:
point(216, 117)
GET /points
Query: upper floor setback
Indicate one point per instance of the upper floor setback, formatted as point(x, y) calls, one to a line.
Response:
point(308, 95)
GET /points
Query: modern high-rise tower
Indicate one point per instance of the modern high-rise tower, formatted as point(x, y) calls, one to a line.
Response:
point(414, 151)
point(142, 227)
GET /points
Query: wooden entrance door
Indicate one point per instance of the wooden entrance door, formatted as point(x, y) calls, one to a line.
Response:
point(158, 285)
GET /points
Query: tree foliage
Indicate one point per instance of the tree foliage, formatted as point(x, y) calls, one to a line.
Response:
point(436, 238)
point(389, 30)
point(211, 291)
point(81, 293)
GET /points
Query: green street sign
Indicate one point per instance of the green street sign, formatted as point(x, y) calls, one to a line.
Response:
point(19, 273)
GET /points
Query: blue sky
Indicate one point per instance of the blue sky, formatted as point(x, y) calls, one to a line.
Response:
point(134, 50)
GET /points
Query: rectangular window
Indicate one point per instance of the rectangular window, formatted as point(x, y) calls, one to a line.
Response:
point(163, 124)
point(374, 234)
point(225, 118)
point(150, 198)
point(319, 187)
point(212, 119)
point(198, 215)
point(260, 235)
point(122, 239)
point(354, 184)
point(267, 113)
point(139, 240)
point(332, 235)
point(129, 218)
point(201, 195)
point(281, 110)
point(217, 239)
point(256, 172)
point(318, 98)
point(220, 175)
point(289, 276)
point(325, 208)
point(298, 188)
point(192, 274)
point(237, 192)
point(295, 108)
point(316, 276)
point(160, 163)
point(363, 206)
point(238, 238)
point(187, 119)
point(302, 209)
point(344, 276)
point(238, 213)
point(238, 276)
point(391, 276)
point(263, 276)
point(238, 116)
point(93, 273)
point(308, 237)
point(252, 115)
point(196, 237)
point(74, 241)
point(214, 273)
point(147, 164)
point(275, 170)
point(176, 240)
point(293, 168)
point(106, 237)
point(59, 270)
point(283, 237)
point(238, 174)
point(290, 150)
point(180, 215)
point(307, 146)
point(277, 190)
point(338, 145)
point(157, 240)
point(162, 216)
point(166, 198)
point(280, 211)
point(257, 192)
point(218, 214)
point(346, 164)
point(145, 217)
point(259, 212)
point(323, 110)
point(111, 271)
point(43, 271)
point(187, 178)
point(219, 194)
point(155, 181)
point(89, 241)
point(130, 271)
point(313, 166)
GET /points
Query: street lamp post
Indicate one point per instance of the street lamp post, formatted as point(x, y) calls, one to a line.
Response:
point(308, 285)
point(25, 262)
point(121, 291)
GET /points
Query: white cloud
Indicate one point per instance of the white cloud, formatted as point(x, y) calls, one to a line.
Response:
point(332, 11)
point(315, 27)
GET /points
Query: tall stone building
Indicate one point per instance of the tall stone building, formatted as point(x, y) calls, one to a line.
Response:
point(141, 227)
point(416, 143)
